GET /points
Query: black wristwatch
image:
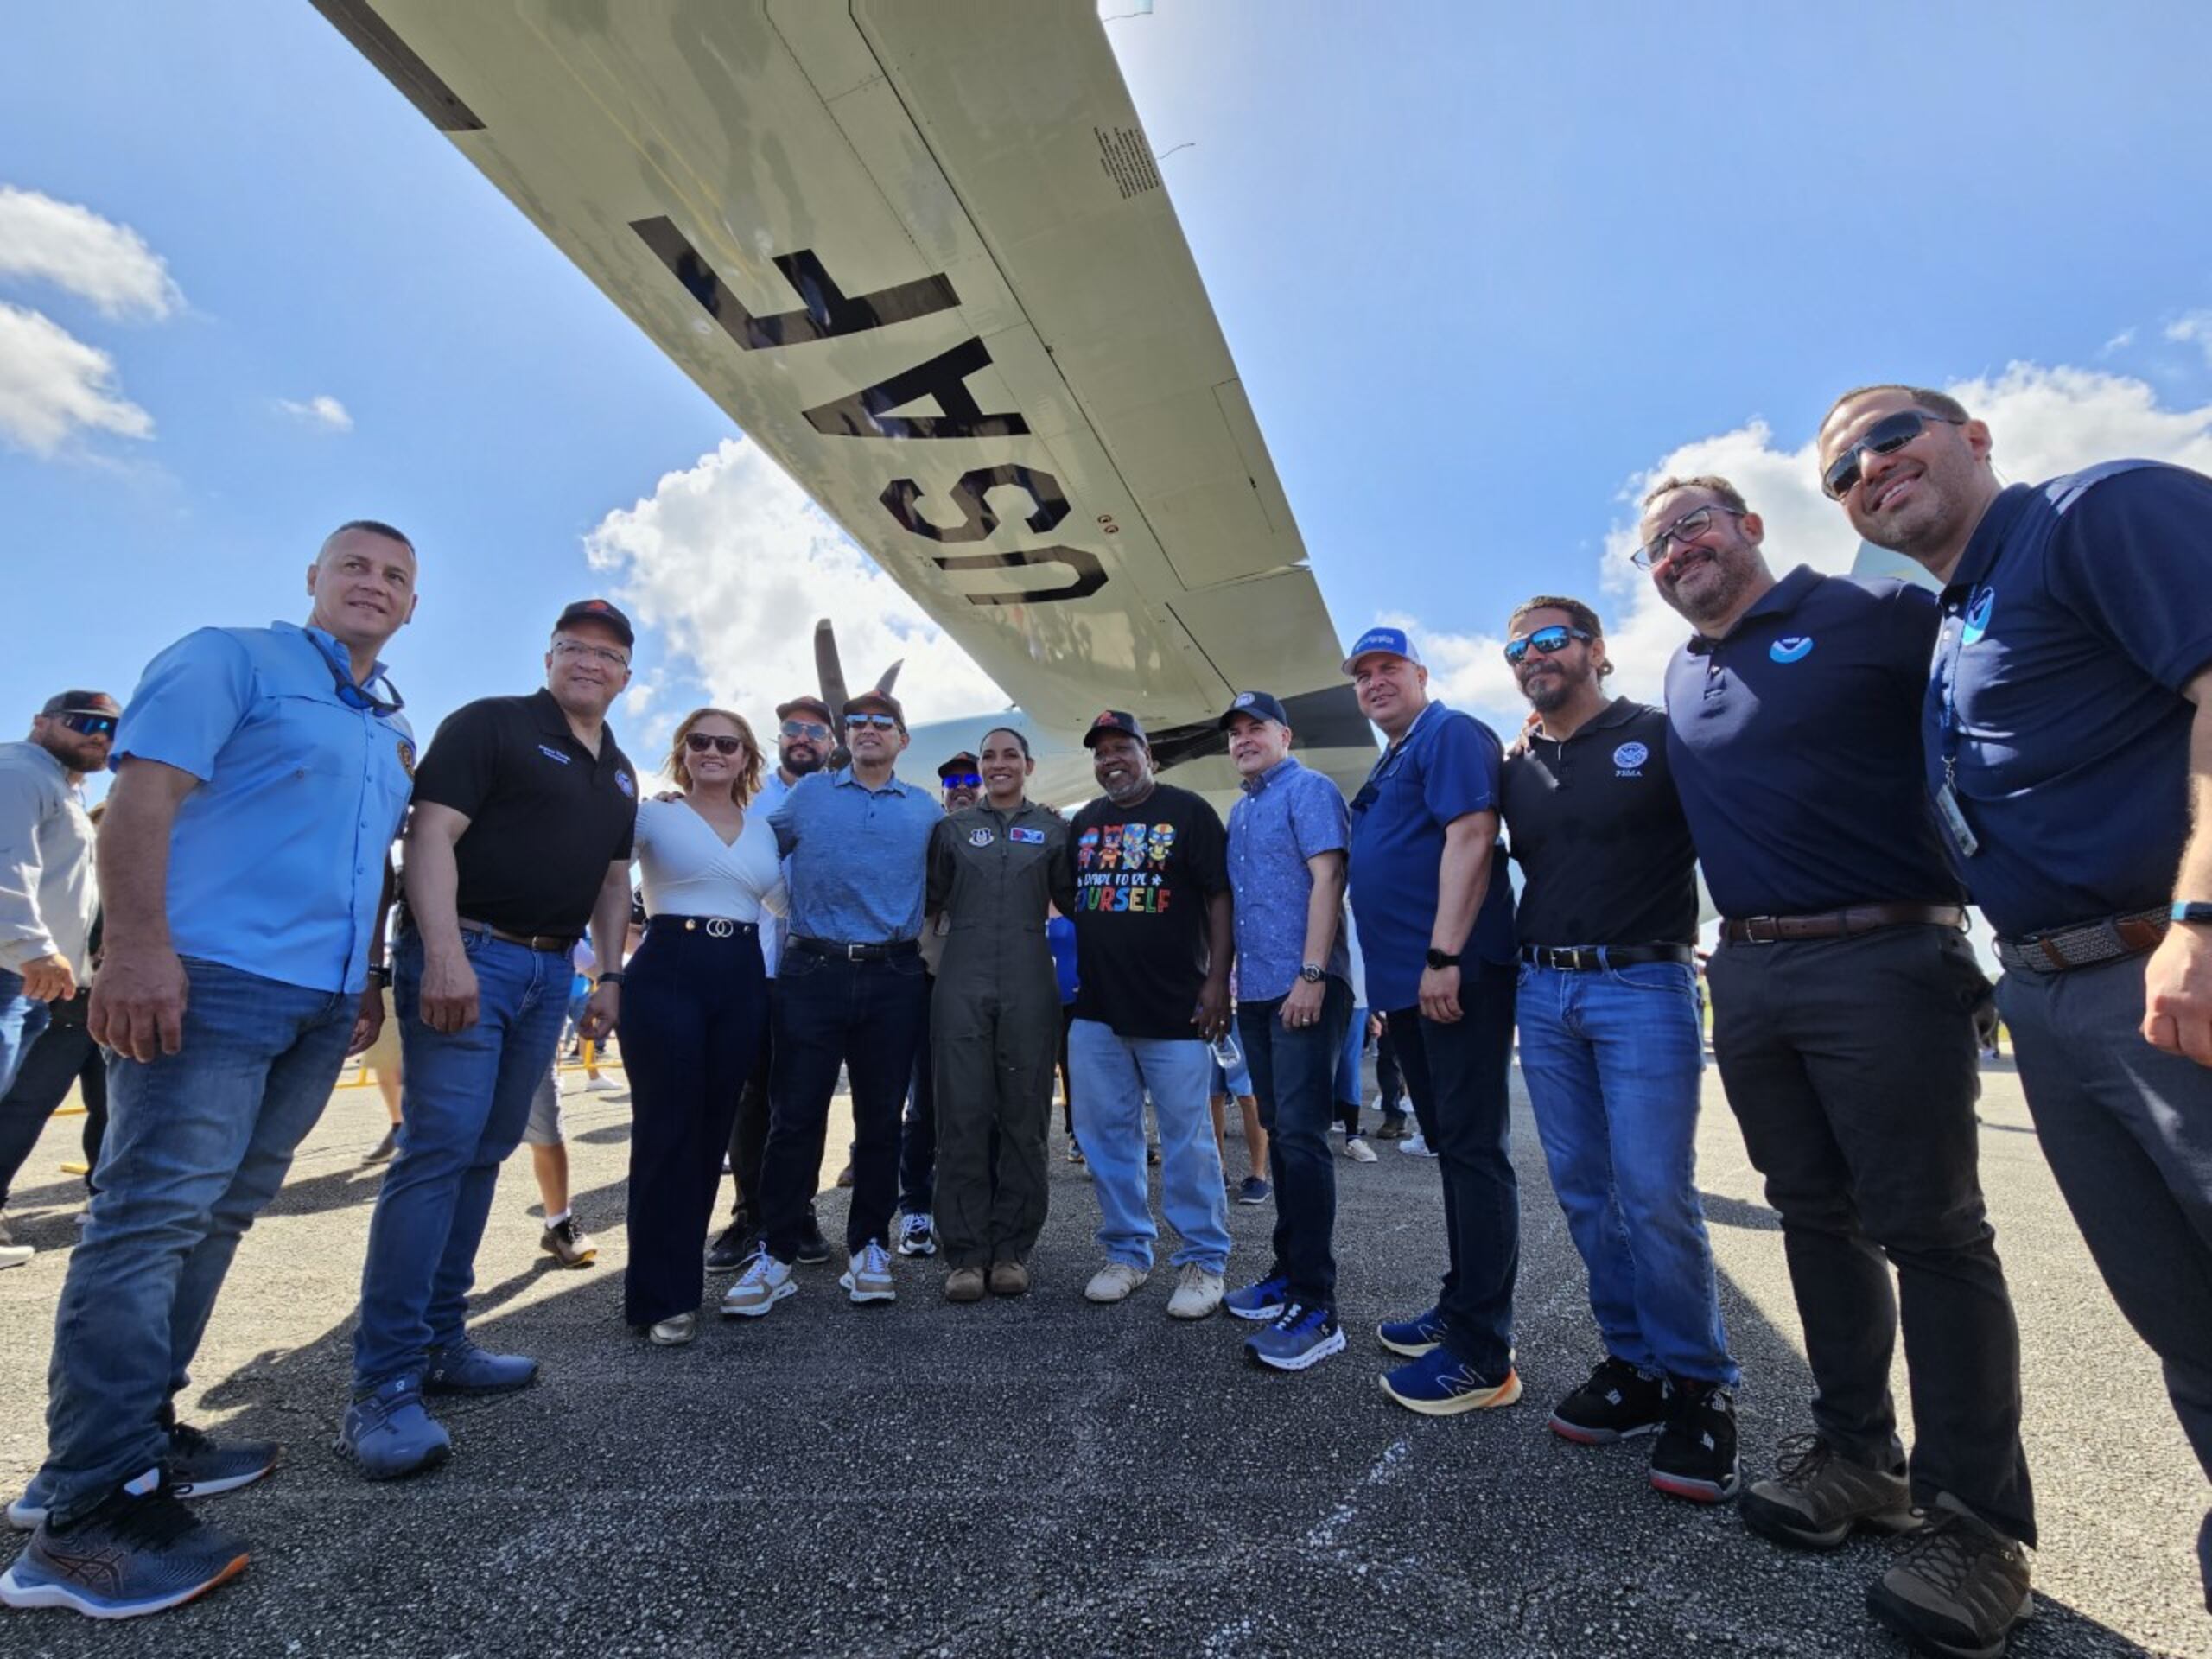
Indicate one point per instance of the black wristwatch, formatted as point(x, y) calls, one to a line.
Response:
point(2192, 912)
point(1442, 958)
point(612, 978)
point(380, 974)
point(1312, 972)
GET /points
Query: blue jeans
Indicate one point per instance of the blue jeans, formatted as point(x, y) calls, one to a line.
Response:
point(1117, 1072)
point(1294, 1073)
point(21, 1018)
point(463, 1105)
point(1611, 1058)
point(198, 1142)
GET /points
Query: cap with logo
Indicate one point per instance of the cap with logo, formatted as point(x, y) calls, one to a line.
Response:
point(81, 702)
point(883, 700)
point(812, 705)
point(1113, 721)
point(1259, 704)
point(963, 763)
point(1395, 642)
point(598, 610)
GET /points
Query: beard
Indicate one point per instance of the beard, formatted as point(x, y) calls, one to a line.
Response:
point(1553, 691)
point(798, 765)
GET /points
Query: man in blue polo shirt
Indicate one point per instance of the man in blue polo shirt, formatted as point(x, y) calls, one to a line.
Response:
point(1843, 991)
point(262, 773)
point(1435, 913)
point(1287, 835)
point(2067, 733)
point(850, 992)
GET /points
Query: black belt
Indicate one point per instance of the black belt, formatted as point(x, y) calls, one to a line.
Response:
point(715, 927)
point(849, 950)
point(552, 943)
point(1840, 923)
point(1588, 958)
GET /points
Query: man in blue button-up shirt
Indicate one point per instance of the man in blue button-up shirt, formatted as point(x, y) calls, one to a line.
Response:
point(262, 773)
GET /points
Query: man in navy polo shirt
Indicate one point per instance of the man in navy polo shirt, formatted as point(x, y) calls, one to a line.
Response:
point(1843, 991)
point(262, 774)
point(2067, 733)
point(1287, 834)
point(1435, 913)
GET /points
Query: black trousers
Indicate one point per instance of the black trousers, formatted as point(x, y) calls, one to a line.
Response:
point(65, 1054)
point(694, 1005)
point(748, 1133)
point(1851, 1066)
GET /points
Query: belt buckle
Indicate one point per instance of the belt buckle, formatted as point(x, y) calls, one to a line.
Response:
point(1774, 930)
point(720, 927)
point(853, 952)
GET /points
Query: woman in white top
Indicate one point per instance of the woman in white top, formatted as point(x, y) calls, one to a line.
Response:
point(695, 1008)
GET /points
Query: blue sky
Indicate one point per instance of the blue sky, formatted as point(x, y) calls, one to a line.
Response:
point(1481, 268)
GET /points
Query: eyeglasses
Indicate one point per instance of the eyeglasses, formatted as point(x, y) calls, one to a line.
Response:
point(1688, 527)
point(700, 742)
point(962, 780)
point(90, 725)
point(1886, 437)
point(578, 648)
point(805, 728)
point(1545, 642)
point(882, 722)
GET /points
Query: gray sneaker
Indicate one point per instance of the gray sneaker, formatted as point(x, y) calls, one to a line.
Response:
point(1817, 1495)
point(1959, 1587)
point(764, 1282)
point(867, 1277)
point(12, 1255)
point(1197, 1293)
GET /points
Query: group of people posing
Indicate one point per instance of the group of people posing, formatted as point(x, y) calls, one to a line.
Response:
point(1849, 762)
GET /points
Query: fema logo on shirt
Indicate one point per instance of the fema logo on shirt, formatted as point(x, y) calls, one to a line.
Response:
point(1628, 758)
point(1791, 648)
point(622, 782)
point(1978, 611)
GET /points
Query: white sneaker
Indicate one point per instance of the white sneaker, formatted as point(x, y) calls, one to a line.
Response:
point(601, 1086)
point(1357, 1150)
point(1198, 1293)
point(867, 1279)
point(916, 1237)
point(764, 1282)
point(1413, 1146)
point(1114, 1282)
point(13, 1255)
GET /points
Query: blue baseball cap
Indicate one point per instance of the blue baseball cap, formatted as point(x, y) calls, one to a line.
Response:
point(1395, 641)
point(1259, 705)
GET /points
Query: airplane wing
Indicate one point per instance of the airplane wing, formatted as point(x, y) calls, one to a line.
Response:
point(922, 255)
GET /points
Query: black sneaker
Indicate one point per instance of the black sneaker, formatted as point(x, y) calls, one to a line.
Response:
point(1618, 1403)
point(813, 1248)
point(1695, 1458)
point(732, 1246)
point(140, 1552)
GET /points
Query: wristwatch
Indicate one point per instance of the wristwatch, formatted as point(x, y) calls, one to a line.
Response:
point(1312, 972)
point(2192, 912)
point(612, 977)
point(1442, 958)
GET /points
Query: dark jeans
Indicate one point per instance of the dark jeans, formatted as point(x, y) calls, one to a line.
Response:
point(748, 1133)
point(1294, 1072)
point(694, 1005)
point(2127, 1128)
point(65, 1055)
point(1067, 1073)
point(918, 1128)
point(866, 1017)
point(1850, 1066)
point(1390, 1077)
point(1457, 1076)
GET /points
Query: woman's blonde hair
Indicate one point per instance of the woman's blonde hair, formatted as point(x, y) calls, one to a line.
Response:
point(747, 783)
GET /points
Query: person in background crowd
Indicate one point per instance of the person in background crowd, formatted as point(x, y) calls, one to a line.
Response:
point(1843, 991)
point(1435, 915)
point(230, 1006)
point(2069, 692)
point(694, 1005)
point(996, 869)
point(524, 813)
point(1349, 1086)
point(1059, 936)
point(1155, 936)
point(561, 1236)
point(1236, 1080)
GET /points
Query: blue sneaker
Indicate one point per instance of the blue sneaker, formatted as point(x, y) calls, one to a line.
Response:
point(465, 1369)
point(1441, 1384)
point(140, 1552)
point(1263, 1301)
point(390, 1435)
point(1412, 1338)
point(197, 1465)
point(1254, 1190)
point(1303, 1336)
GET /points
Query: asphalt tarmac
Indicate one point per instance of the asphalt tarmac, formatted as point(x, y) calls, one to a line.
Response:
point(1041, 1475)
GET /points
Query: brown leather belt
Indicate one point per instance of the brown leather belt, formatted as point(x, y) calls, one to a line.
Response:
point(550, 941)
point(2085, 946)
point(1840, 924)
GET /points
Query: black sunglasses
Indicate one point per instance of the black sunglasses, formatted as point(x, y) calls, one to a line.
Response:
point(700, 742)
point(1886, 437)
point(886, 722)
point(90, 725)
point(1545, 642)
point(962, 780)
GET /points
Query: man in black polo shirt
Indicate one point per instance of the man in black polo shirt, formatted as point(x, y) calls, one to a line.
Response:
point(1843, 992)
point(1612, 1048)
point(2066, 728)
point(524, 812)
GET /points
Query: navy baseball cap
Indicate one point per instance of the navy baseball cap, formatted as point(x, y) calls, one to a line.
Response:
point(1113, 721)
point(963, 763)
point(1258, 704)
point(1395, 641)
point(598, 610)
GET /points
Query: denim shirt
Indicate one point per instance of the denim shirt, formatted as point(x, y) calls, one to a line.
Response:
point(855, 857)
point(1286, 815)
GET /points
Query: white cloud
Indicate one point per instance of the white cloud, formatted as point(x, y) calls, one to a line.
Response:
point(2120, 342)
point(75, 249)
point(733, 563)
point(2194, 329)
point(321, 411)
point(53, 385)
point(2045, 421)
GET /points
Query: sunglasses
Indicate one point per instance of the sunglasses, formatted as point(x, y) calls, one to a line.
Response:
point(1886, 437)
point(1691, 525)
point(962, 780)
point(1545, 642)
point(805, 728)
point(882, 722)
point(90, 725)
point(700, 742)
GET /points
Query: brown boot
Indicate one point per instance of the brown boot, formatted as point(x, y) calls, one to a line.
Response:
point(1009, 1279)
point(964, 1285)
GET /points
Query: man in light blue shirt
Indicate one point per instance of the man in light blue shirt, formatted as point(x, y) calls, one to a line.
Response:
point(262, 773)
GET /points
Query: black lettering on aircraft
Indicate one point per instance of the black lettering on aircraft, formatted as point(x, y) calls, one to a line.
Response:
point(1089, 574)
point(866, 413)
point(972, 496)
point(829, 311)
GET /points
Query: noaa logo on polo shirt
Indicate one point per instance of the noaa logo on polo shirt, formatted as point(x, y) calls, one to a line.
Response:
point(622, 782)
point(980, 837)
point(1791, 648)
point(1978, 611)
point(1628, 758)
